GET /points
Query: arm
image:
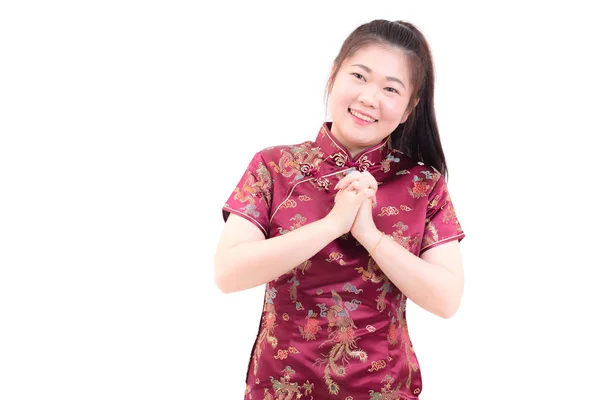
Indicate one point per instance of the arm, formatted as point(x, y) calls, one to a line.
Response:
point(434, 281)
point(245, 259)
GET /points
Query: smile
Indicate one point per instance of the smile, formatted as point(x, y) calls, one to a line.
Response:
point(362, 117)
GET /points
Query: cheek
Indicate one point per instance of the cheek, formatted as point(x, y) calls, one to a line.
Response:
point(343, 94)
point(392, 110)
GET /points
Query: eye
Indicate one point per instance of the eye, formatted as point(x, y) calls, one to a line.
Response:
point(359, 76)
point(391, 89)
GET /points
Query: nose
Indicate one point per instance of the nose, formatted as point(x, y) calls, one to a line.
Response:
point(368, 97)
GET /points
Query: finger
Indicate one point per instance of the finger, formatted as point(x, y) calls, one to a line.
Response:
point(367, 180)
point(357, 186)
point(370, 179)
point(345, 181)
point(353, 188)
point(368, 193)
point(371, 182)
point(343, 184)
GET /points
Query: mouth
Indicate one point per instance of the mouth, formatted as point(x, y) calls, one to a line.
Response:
point(362, 117)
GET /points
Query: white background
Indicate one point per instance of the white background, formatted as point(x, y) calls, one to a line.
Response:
point(126, 125)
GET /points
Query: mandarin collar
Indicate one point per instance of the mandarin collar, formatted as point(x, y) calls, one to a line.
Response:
point(336, 154)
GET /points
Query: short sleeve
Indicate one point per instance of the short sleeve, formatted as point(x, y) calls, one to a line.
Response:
point(251, 199)
point(441, 222)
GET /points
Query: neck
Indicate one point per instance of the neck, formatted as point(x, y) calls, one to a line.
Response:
point(352, 150)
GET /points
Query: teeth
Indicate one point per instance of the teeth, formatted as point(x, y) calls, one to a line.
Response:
point(363, 117)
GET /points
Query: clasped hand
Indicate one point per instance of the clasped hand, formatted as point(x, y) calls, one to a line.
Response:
point(354, 203)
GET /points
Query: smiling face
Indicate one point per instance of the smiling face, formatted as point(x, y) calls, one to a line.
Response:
point(369, 97)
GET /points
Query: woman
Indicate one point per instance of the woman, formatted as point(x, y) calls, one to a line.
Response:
point(344, 229)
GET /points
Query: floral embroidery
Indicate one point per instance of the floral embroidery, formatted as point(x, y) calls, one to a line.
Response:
point(254, 188)
point(387, 393)
point(399, 334)
point(298, 161)
point(284, 389)
point(432, 234)
point(420, 188)
point(268, 327)
point(386, 164)
point(450, 215)
point(310, 329)
point(441, 220)
point(410, 243)
point(343, 338)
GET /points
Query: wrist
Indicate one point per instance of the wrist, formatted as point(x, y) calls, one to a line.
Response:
point(369, 237)
point(333, 228)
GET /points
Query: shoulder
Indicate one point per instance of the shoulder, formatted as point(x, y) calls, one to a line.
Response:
point(422, 177)
point(407, 165)
point(278, 152)
point(427, 172)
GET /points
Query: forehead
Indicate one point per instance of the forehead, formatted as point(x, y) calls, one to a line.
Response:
point(383, 60)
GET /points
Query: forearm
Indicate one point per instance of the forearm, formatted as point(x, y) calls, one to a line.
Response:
point(432, 287)
point(251, 264)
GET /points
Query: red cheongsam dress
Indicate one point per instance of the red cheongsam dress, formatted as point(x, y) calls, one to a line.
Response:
point(334, 327)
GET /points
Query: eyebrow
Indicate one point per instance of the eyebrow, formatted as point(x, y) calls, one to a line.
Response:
point(389, 78)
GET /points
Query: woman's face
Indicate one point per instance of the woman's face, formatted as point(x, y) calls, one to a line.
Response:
point(370, 96)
